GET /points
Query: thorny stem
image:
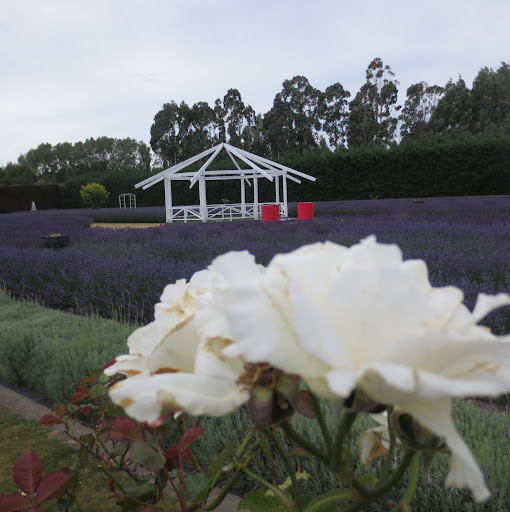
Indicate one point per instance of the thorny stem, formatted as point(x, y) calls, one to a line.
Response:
point(331, 498)
point(379, 490)
point(296, 486)
point(322, 422)
point(277, 492)
point(343, 429)
point(304, 443)
point(369, 495)
point(413, 483)
point(389, 457)
point(240, 470)
point(110, 476)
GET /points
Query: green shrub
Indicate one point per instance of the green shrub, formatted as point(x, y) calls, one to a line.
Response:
point(49, 351)
point(93, 195)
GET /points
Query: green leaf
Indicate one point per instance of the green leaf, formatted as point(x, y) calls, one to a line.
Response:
point(88, 439)
point(257, 501)
point(197, 487)
point(142, 492)
point(83, 455)
point(146, 456)
point(306, 500)
point(118, 449)
point(96, 390)
point(368, 479)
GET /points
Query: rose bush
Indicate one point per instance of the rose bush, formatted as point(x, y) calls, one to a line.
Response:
point(346, 320)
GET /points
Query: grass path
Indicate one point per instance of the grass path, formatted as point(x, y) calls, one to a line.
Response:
point(55, 453)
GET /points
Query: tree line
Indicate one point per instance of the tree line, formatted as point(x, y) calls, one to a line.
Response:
point(57, 164)
point(302, 119)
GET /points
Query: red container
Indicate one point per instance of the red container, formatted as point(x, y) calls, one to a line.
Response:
point(305, 211)
point(270, 212)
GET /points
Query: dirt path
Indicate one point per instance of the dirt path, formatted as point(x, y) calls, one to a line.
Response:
point(122, 225)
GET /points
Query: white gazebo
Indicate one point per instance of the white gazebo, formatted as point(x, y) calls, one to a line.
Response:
point(258, 167)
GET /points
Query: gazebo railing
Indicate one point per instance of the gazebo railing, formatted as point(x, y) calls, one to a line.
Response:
point(228, 211)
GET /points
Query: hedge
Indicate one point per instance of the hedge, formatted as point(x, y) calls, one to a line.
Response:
point(438, 167)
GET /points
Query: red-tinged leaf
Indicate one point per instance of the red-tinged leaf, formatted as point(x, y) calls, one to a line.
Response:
point(79, 395)
point(108, 364)
point(28, 471)
point(191, 435)
point(49, 419)
point(60, 410)
point(52, 486)
point(187, 454)
point(111, 485)
point(125, 428)
point(89, 379)
point(172, 453)
point(82, 387)
point(14, 503)
point(304, 405)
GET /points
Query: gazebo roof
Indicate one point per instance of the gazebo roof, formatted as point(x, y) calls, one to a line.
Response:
point(258, 167)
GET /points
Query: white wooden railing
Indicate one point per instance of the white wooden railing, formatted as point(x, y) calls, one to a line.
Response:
point(228, 211)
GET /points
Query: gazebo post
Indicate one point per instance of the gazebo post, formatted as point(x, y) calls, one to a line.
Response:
point(277, 188)
point(255, 198)
point(203, 198)
point(286, 210)
point(243, 198)
point(168, 200)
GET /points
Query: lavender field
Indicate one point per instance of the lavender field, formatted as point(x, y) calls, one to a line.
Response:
point(121, 273)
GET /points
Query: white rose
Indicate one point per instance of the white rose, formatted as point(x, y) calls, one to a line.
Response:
point(361, 318)
point(177, 361)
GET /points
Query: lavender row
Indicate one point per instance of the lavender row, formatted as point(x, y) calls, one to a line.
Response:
point(465, 242)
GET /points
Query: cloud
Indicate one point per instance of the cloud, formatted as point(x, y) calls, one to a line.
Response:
point(72, 71)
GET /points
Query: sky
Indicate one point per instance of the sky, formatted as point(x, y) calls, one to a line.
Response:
point(73, 70)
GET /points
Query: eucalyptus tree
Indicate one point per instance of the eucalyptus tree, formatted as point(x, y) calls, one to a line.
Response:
point(490, 96)
point(165, 133)
point(372, 119)
point(334, 113)
point(253, 133)
point(197, 126)
point(454, 111)
point(362, 126)
point(293, 123)
point(420, 103)
point(234, 116)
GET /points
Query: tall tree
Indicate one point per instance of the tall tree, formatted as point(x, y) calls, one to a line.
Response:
point(235, 116)
point(490, 97)
point(421, 101)
point(362, 124)
point(253, 133)
point(454, 112)
point(276, 128)
point(165, 133)
point(65, 160)
point(334, 114)
point(293, 123)
point(374, 105)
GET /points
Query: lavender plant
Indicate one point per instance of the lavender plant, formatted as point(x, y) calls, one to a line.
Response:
point(121, 273)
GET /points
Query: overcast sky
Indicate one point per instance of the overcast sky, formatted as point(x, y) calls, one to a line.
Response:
point(73, 70)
